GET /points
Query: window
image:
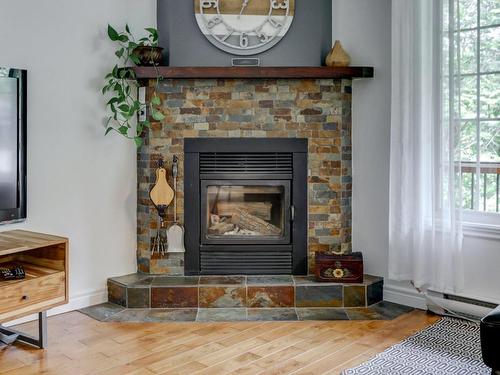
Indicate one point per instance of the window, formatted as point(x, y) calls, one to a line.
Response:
point(476, 87)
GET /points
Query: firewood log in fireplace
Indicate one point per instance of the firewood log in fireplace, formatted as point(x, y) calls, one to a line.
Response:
point(259, 209)
point(246, 220)
point(220, 228)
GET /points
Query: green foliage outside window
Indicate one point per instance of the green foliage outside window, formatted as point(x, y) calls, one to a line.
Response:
point(477, 75)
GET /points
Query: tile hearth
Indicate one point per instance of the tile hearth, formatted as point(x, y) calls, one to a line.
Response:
point(279, 291)
point(109, 312)
point(146, 298)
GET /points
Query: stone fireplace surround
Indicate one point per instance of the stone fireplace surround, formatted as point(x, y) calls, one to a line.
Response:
point(316, 109)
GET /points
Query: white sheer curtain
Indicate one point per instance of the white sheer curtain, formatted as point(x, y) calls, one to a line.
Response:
point(425, 239)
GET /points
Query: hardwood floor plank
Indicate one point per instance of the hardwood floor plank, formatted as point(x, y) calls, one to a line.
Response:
point(10, 364)
point(80, 345)
point(331, 360)
point(354, 362)
point(278, 357)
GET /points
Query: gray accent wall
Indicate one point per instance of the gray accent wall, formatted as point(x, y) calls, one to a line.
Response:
point(306, 44)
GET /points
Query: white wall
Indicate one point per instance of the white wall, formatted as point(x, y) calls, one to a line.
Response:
point(80, 184)
point(481, 263)
point(364, 28)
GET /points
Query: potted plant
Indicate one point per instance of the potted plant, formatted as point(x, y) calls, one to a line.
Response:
point(148, 52)
point(121, 84)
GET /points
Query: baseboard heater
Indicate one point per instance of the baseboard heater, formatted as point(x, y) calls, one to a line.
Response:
point(441, 303)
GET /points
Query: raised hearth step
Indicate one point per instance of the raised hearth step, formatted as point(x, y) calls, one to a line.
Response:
point(109, 312)
point(140, 291)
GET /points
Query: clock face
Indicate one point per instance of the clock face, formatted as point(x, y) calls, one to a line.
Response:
point(244, 27)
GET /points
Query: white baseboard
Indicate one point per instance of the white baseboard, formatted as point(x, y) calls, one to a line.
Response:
point(75, 302)
point(404, 295)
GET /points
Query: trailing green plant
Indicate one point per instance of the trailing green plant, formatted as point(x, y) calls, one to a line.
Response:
point(121, 85)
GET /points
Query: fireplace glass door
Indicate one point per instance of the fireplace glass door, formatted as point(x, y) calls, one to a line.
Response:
point(245, 211)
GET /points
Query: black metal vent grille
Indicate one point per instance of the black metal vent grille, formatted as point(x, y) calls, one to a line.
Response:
point(248, 163)
point(245, 263)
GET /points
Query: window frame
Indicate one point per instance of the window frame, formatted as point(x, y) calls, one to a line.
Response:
point(475, 222)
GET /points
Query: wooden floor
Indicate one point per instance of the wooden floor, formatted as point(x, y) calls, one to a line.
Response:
point(81, 345)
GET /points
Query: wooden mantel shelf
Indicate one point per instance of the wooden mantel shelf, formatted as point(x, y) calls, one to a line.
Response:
point(168, 72)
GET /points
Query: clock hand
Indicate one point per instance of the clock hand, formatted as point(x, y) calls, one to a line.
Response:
point(243, 6)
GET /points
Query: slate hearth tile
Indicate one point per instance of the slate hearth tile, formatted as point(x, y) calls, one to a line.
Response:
point(311, 280)
point(174, 297)
point(145, 282)
point(171, 315)
point(138, 297)
point(175, 280)
point(270, 296)
point(354, 296)
point(222, 280)
point(117, 293)
point(321, 314)
point(270, 280)
point(304, 280)
point(132, 279)
point(318, 296)
point(215, 296)
point(102, 311)
point(374, 293)
point(370, 279)
point(363, 313)
point(272, 315)
point(389, 310)
point(129, 315)
point(143, 264)
point(221, 315)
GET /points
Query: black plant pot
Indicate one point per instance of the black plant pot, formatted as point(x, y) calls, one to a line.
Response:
point(148, 56)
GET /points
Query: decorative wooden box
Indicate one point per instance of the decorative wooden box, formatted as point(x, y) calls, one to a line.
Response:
point(339, 268)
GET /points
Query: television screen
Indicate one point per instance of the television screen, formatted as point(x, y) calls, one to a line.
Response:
point(8, 143)
point(12, 144)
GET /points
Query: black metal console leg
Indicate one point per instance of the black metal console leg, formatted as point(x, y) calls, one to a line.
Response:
point(40, 342)
point(42, 329)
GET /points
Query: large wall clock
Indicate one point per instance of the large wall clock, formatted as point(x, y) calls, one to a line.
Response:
point(244, 27)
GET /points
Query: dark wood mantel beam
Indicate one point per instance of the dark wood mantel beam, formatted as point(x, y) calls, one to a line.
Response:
point(168, 72)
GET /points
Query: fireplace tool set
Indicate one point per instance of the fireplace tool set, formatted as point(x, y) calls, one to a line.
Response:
point(162, 196)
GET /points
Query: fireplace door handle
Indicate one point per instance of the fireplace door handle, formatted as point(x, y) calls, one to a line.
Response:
point(292, 213)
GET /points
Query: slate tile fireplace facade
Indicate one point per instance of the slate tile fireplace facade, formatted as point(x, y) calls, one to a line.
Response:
point(245, 206)
point(316, 110)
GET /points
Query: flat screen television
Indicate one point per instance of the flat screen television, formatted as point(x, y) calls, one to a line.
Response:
point(12, 144)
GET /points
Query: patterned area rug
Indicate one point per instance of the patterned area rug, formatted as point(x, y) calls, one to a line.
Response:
point(449, 347)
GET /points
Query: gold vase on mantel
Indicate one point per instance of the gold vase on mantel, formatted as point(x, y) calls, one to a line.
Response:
point(338, 56)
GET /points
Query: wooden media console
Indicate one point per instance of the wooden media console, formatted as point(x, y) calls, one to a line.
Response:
point(45, 261)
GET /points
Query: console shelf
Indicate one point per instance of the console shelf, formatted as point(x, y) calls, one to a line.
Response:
point(32, 271)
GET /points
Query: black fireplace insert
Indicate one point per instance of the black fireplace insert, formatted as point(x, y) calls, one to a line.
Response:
point(245, 206)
